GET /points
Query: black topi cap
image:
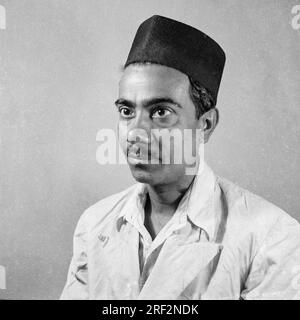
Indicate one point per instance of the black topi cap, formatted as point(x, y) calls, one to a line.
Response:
point(177, 45)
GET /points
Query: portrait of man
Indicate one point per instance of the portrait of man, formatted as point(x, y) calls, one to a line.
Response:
point(149, 152)
point(174, 235)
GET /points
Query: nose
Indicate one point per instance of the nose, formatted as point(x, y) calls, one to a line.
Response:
point(139, 129)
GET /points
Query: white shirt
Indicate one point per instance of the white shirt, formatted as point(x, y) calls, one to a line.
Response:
point(223, 242)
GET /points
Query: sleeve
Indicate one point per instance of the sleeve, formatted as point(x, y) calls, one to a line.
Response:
point(76, 287)
point(275, 269)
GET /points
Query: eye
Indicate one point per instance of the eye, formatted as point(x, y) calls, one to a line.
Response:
point(161, 112)
point(125, 112)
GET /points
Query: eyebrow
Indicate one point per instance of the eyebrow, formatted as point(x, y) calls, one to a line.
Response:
point(147, 103)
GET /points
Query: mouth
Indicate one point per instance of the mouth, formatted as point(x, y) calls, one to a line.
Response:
point(135, 155)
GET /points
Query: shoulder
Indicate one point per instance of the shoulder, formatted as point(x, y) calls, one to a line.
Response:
point(250, 214)
point(106, 209)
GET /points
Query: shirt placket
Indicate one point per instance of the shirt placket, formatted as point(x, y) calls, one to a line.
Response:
point(151, 252)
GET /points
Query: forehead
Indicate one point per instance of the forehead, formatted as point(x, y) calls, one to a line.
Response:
point(152, 80)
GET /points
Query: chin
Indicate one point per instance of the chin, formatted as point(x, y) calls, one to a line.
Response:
point(153, 175)
point(143, 173)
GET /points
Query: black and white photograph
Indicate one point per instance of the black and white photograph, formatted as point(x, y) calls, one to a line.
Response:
point(149, 150)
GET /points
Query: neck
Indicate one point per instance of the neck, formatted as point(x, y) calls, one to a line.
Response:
point(164, 199)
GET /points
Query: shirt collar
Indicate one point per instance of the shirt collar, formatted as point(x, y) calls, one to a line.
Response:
point(197, 202)
point(200, 200)
point(135, 202)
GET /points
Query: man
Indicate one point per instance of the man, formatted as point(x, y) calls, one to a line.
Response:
point(175, 235)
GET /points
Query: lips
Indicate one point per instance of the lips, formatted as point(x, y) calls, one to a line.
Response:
point(135, 152)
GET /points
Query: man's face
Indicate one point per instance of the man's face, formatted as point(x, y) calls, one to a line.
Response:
point(152, 99)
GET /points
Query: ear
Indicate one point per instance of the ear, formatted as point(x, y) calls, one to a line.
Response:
point(209, 121)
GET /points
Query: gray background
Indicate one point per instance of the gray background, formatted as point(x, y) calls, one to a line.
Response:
point(60, 62)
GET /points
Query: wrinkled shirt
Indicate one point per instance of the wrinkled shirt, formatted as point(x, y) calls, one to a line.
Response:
point(223, 242)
